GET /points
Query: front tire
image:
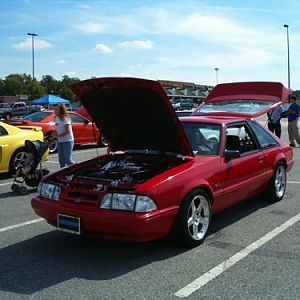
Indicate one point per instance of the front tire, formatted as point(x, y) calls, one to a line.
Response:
point(193, 220)
point(277, 185)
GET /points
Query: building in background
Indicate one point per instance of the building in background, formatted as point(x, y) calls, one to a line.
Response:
point(182, 90)
point(5, 99)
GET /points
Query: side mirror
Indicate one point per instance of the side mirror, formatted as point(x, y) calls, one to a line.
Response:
point(230, 154)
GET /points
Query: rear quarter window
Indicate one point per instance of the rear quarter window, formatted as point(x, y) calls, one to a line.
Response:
point(263, 136)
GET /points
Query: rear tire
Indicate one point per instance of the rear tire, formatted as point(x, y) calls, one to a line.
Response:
point(19, 155)
point(277, 185)
point(193, 220)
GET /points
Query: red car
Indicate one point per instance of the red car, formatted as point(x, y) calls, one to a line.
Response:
point(85, 131)
point(166, 176)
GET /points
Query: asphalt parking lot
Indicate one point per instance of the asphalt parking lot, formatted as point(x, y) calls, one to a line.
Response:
point(251, 252)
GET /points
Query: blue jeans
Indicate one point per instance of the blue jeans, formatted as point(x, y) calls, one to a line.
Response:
point(65, 153)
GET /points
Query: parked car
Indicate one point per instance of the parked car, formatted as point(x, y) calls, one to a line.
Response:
point(183, 104)
point(186, 104)
point(85, 131)
point(17, 109)
point(164, 176)
point(12, 144)
point(176, 104)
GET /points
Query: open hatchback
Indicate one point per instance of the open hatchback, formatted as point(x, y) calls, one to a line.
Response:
point(247, 99)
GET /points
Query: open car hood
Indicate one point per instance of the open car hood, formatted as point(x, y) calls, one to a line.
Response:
point(133, 114)
point(250, 99)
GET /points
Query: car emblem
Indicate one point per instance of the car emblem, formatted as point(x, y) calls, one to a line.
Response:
point(77, 201)
point(100, 187)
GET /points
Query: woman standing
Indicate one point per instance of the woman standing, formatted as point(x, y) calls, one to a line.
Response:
point(64, 134)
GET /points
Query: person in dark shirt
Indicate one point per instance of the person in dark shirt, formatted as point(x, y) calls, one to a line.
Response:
point(293, 114)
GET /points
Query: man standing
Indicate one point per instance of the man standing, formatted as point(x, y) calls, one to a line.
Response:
point(274, 117)
point(293, 113)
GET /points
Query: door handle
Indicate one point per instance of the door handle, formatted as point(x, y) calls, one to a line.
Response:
point(261, 158)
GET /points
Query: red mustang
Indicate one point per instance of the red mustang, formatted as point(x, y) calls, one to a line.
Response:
point(85, 131)
point(164, 175)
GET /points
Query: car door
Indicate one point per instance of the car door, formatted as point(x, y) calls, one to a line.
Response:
point(5, 150)
point(243, 176)
point(82, 130)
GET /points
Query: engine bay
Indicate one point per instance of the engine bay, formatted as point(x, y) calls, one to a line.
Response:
point(127, 169)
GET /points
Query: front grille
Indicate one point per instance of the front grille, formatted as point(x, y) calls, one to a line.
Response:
point(83, 195)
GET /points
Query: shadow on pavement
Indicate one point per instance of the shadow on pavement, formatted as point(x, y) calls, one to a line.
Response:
point(55, 257)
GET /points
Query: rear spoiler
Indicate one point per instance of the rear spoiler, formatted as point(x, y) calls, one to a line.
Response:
point(34, 128)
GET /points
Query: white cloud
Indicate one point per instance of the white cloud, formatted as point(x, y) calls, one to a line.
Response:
point(27, 44)
point(61, 62)
point(138, 44)
point(103, 48)
point(92, 27)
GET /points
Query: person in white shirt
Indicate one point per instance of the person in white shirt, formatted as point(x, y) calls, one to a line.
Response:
point(274, 117)
point(64, 134)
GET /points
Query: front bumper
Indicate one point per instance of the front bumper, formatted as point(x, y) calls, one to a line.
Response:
point(110, 224)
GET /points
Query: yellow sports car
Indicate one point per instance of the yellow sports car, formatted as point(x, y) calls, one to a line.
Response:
point(12, 144)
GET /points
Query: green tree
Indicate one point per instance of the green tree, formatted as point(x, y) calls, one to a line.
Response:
point(1, 87)
point(15, 84)
point(50, 84)
point(65, 91)
point(35, 90)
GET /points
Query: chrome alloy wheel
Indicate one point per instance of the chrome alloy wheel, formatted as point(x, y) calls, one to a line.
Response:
point(21, 156)
point(198, 217)
point(280, 181)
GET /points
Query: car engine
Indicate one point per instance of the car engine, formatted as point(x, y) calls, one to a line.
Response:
point(128, 169)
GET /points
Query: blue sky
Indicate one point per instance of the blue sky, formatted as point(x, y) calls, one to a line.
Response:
point(169, 40)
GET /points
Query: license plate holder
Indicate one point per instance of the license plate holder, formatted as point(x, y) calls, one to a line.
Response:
point(68, 224)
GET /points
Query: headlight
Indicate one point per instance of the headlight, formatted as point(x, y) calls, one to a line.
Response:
point(50, 191)
point(130, 202)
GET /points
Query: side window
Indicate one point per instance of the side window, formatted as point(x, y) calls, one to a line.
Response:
point(3, 131)
point(77, 119)
point(264, 138)
point(239, 137)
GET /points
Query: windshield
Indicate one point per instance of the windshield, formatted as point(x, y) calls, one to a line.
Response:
point(245, 106)
point(37, 116)
point(204, 138)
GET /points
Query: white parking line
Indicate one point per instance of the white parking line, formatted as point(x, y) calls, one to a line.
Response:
point(7, 183)
point(225, 265)
point(21, 224)
point(52, 161)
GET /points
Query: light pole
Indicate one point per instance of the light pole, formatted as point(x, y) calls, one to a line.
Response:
point(216, 69)
point(288, 53)
point(32, 47)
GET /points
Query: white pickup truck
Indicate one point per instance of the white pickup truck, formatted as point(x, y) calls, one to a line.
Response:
point(17, 109)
